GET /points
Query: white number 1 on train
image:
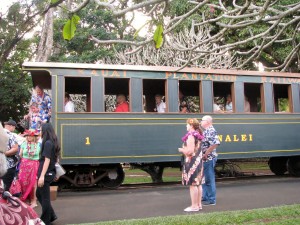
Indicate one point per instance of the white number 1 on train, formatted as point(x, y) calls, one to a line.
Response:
point(87, 141)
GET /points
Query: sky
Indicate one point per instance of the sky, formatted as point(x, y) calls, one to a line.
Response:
point(4, 5)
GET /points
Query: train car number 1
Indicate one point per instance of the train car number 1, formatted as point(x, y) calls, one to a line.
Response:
point(87, 141)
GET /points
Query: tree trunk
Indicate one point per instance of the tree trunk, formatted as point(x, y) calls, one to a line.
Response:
point(46, 42)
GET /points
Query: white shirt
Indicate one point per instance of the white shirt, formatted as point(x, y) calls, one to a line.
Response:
point(228, 107)
point(69, 107)
point(216, 107)
point(161, 107)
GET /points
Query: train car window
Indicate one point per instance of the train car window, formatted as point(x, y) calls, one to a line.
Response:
point(154, 90)
point(189, 96)
point(79, 89)
point(117, 95)
point(223, 97)
point(282, 97)
point(252, 97)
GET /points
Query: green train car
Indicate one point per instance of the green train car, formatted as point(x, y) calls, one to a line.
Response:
point(96, 141)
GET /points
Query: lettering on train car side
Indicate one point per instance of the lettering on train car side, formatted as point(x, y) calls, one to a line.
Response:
point(195, 76)
point(279, 80)
point(113, 73)
point(236, 137)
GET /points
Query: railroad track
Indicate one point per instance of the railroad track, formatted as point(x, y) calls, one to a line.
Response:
point(246, 176)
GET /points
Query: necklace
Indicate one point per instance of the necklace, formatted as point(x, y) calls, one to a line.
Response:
point(31, 152)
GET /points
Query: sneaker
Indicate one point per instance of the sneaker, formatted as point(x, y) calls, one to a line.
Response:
point(208, 203)
point(190, 209)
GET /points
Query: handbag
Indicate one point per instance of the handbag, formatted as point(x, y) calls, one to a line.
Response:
point(15, 212)
point(59, 170)
point(15, 188)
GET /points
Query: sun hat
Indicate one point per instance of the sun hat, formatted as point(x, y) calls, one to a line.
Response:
point(31, 132)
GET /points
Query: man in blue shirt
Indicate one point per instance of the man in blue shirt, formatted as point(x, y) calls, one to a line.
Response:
point(208, 146)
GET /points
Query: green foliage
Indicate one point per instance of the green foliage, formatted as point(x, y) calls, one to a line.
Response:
point(70, 27)
point(283, 105)
point(158, 36)
point(179, 7)
point(14, 83)
point(94, 21)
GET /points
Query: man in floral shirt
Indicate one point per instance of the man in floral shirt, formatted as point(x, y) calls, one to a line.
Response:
point(208, 146)
point(11, 152)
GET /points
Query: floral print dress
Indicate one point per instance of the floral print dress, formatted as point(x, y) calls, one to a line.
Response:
point(192, 166)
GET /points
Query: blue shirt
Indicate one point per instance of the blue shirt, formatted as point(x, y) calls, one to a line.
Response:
point(44, 103)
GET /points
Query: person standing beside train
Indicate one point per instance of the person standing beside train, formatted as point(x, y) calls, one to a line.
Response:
point(192, 167)
point(29, 154)
point(208, 146)
point(11, 154)
point(46, 173)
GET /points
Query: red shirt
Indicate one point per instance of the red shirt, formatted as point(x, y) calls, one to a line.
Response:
point(123, 107)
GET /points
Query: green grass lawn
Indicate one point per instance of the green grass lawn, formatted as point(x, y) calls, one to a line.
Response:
point(135, 176)
point(280, 215)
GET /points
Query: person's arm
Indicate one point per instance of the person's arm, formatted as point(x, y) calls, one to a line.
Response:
point(12, 151)
point(41, 180)
point(209, 150)
point(190, 147)
point(164, 107)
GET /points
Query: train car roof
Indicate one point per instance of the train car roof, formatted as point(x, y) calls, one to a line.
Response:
point(44, 65)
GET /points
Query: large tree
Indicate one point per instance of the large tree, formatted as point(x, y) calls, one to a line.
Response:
point(19, 20)
point(95, 22)
point(261, 31)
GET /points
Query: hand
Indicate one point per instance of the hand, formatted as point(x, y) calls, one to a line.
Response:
point(26, 117)
point(180, 149)
point(41, 182)
point(204, 157)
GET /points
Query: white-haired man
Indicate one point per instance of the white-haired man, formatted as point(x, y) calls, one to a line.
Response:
point(208, 146)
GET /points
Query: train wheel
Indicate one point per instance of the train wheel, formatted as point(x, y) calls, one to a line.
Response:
point(114, 177)
point(293, 166)
point(278, 165)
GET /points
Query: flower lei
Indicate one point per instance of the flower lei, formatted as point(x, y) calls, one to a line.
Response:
point(29, 149)
point(196, 135)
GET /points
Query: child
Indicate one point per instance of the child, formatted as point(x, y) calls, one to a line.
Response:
point(36, 117)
